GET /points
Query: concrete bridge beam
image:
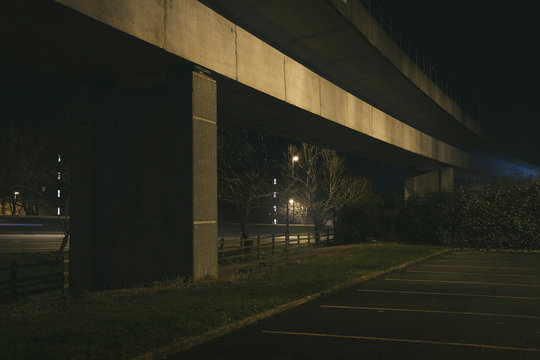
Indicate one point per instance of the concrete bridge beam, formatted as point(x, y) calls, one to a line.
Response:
point(143, 182)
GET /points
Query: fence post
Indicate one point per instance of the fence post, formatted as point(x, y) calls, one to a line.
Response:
point(258, 246)
point(13, 279)
point(298, 241)
point(242, 250)
point(222, 248)
point(308, 238)
point(286, 242)
point(65, 275)
point(327, 236)
point(273, 243)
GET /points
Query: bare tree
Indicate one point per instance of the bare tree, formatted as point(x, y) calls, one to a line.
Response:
point(244, 171)
point(319, 178)
point(27, 169)
point(24, 168)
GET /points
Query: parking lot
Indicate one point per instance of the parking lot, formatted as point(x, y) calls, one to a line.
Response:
point(460, 305)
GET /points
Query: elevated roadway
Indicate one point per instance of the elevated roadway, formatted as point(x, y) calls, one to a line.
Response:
point(152, 79)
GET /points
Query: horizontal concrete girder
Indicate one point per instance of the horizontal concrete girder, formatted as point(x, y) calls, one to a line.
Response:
point(343, 42)
point(192, 31)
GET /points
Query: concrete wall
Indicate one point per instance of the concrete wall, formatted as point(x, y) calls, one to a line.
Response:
point(144, 182)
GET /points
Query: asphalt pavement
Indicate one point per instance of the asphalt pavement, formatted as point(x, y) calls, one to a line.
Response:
point(460, 305)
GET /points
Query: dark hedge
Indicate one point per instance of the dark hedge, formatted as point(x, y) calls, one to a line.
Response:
point(503, 214)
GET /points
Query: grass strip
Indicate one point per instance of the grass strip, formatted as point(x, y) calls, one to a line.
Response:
point(121, 324)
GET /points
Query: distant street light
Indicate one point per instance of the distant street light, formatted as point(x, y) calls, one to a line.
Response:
point(294, 159)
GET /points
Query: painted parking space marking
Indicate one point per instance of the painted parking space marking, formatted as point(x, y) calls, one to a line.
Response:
point(468, 273)
point(382, 309)
point(460, 282)
point(476, 261)
point(448, 294)
point(479, 267)
point(481, 263)
point(413, 341)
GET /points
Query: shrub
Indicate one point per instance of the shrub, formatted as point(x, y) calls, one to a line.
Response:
point(503, 214)
point(425, 220)
point(364, 221)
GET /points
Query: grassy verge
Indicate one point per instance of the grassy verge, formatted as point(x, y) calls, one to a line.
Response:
point(123, 323)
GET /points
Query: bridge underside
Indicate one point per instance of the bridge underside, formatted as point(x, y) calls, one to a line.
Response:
point(142, 134)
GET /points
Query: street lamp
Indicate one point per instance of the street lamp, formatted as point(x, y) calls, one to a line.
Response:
point(291, 201)
point(294, 159)
point(14, 210)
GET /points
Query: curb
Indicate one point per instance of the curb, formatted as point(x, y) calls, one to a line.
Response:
point(185, 344)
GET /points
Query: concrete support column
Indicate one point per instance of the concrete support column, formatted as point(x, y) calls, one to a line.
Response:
point(204, 180)
point(143, 182)
point(422, 183)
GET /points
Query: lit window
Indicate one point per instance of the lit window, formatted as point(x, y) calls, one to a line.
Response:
point(275, 181)
point(275, 208)
point(59, 176)
point(59, 158)
point(275, 221)
point(58, 192)
point(58, 211)
point(275, 194)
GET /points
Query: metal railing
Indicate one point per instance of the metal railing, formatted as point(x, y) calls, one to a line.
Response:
point(42, 277)
point(261, 246)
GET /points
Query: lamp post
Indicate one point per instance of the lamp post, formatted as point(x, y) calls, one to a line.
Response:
point(291, 201)
point(14, 210)
point(287, 227)
point(294, 159)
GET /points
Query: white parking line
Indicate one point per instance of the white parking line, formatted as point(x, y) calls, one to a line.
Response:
point(428, 311)
point(449, 294)
point(414, 341)
point(461, 282)
point(472, 261)
point(478, 267)
point(467, 273)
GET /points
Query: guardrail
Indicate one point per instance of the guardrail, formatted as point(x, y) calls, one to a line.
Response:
point(40, 277)
point(240, 250)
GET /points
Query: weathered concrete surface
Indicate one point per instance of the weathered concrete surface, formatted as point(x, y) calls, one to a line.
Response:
point(302, 87)
point(343, 43)
point(198, 34)
point(204, 180)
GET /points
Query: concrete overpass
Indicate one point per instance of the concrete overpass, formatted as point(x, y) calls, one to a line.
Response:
point(154, 77)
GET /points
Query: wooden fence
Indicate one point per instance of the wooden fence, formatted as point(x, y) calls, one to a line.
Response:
point(40, 277)
point(240, 250)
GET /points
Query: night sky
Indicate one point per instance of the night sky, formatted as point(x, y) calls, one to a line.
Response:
point(489, 50)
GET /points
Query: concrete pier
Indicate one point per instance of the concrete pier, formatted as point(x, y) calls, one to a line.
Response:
point(144, 182)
